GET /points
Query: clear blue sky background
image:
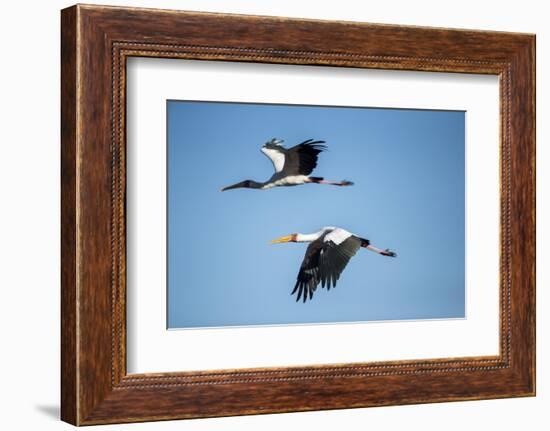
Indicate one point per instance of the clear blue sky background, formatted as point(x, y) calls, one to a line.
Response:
point(408, 168)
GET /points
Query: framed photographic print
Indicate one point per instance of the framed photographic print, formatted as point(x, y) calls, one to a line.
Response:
point(265, 214)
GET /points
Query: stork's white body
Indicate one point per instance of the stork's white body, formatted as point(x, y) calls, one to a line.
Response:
point(335, 234)
point(292, 180)
point(278, 180)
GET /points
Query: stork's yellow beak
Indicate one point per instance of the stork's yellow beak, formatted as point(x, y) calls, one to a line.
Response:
point(287, 238)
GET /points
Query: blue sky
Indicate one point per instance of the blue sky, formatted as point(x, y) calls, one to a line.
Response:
point(409, 196)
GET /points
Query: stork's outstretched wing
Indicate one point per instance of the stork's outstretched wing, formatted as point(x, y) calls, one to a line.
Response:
point(334, 258)
point(324, 261)
point(302, 158)
point(308, 277)
point(275, 153)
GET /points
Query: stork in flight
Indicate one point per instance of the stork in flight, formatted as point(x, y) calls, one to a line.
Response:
point(292, 166)
point(327, 255)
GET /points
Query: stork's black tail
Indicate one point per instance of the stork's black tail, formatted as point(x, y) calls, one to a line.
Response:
point(364, 242)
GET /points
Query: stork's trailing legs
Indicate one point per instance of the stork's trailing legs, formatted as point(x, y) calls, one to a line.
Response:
point(321, 180)
point(385, 252)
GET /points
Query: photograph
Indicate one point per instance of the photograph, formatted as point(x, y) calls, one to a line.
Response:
point(284, 214)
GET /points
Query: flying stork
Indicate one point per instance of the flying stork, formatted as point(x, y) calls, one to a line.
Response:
point(327, 255)
point(292, 166)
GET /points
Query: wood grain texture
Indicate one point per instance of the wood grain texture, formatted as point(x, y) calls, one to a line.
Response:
point(69, 397)
point(96, 41)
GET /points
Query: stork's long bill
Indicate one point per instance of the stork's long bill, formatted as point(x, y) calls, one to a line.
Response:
point(326, 257)
point(292, 166)
point(287, 238)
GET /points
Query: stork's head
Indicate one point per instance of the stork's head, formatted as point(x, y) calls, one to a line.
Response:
point(246, 184)
point(293, 237)
point(273, 144)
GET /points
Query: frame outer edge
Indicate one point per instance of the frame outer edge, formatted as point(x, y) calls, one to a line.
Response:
point(530, 62)
point(69, 201)
point(532, 99)
point(87, 396)
point(533, 54)
point(523, 273)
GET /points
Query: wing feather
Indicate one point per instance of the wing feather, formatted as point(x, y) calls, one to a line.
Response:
point(324, 262)
point(302, 158)
point(277, 157)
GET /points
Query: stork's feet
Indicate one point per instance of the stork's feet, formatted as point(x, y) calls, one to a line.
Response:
point(388, 252)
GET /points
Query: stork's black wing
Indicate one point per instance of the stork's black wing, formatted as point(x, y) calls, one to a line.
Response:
point(308, 277)
point(302, 158)
point(323, 263)
point(334, 258)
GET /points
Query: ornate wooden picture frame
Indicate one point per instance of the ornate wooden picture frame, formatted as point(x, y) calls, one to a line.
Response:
point(96, 41)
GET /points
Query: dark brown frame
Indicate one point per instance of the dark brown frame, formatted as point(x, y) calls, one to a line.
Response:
point(95, 43)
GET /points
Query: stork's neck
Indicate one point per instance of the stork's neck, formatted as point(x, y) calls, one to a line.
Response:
point(308, 237)
point(254, 184)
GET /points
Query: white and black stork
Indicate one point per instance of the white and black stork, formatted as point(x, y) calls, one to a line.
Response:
point(292, 166)
point(327, 255)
